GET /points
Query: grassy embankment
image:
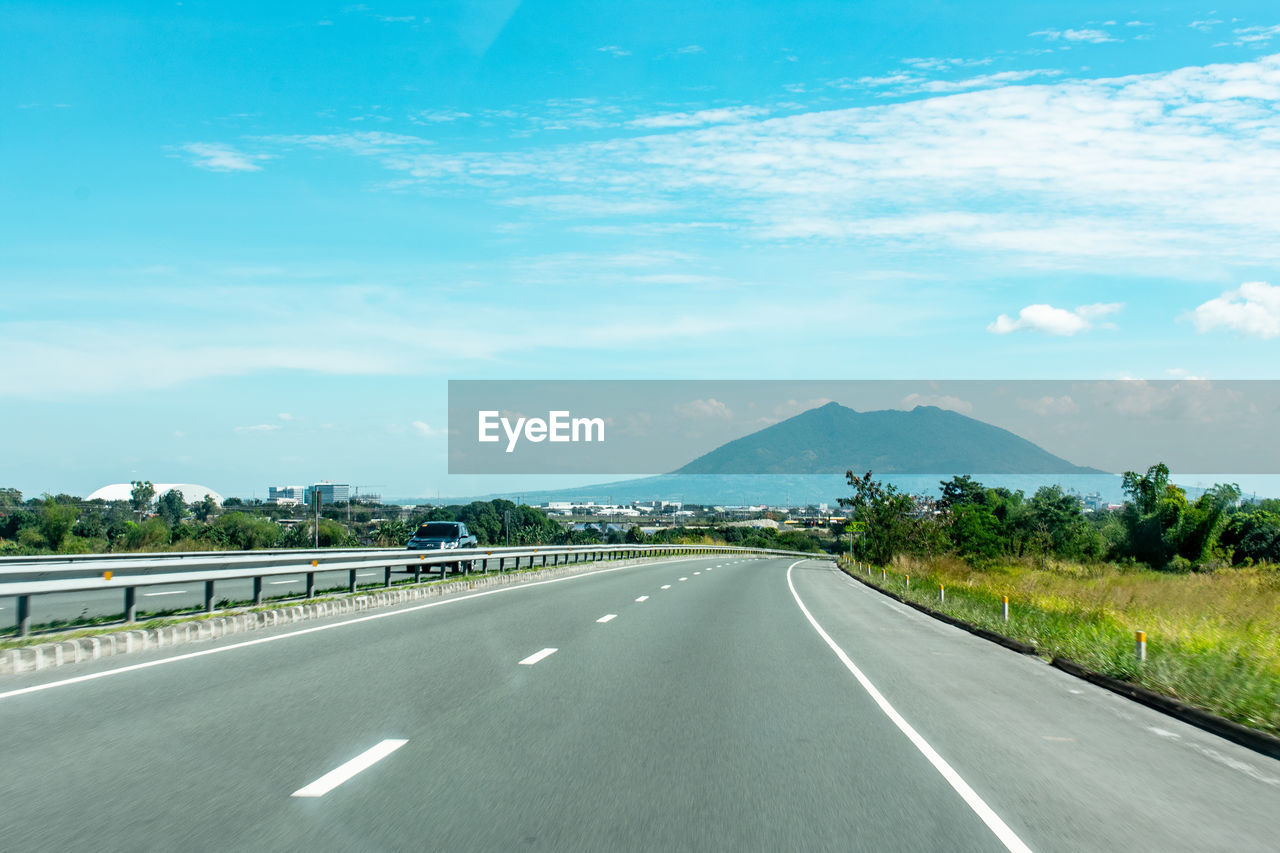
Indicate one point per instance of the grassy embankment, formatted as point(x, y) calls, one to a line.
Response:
point(1213, 639)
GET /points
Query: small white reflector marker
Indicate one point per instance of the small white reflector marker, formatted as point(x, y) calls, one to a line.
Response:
point(337, 776)
point(608, 617)
point(537, 656)
point(666, 586)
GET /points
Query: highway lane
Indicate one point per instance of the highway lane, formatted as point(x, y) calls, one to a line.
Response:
point(709, 715)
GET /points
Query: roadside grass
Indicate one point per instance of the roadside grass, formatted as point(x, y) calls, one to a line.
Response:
point(1213, 639)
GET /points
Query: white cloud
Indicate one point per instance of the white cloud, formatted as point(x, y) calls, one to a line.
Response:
point(1204, 26)
point(1053, 321)
point(258, 428)
point(223, 158)
point(437, 116)
point(1082, 35)
point(690, 48)
point(709, 408)
point(1050, 405)
point(1139, 173)
point(285, 416)
point(722, 115)
point(1255, 36)
point(913, 83)
point(942, 401)
point(1253, 309)
point(613, 50)
point(426, 430)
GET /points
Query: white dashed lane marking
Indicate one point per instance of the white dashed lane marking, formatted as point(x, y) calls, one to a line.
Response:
point(337, 776)
point(642, 598)
point(608, 617)
point(537, 656)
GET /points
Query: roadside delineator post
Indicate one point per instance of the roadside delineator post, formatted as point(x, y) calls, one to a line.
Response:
point(1140, 645)
point(1004, 609)
point(942, 594)
point(906, 581)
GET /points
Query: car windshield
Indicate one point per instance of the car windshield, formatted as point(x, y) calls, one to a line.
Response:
point(437, 530)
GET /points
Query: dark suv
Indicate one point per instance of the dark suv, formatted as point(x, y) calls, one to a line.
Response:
point(442, 536)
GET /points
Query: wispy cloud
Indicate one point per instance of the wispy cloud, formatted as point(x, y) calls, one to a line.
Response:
point(723, 115)
point(1053, 321)
point(613, 50)
point(1252, 309)
point(258, 428)
point(905, 82)
point(1255, 36)
point(1110, 173)
point(1085, 36)
point(1204, 26)
point(218, 157)
point(690, 49)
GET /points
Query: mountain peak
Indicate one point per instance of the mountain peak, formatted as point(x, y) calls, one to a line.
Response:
point(924, 440)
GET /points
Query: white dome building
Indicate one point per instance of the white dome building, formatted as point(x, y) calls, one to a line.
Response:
point(124, 491)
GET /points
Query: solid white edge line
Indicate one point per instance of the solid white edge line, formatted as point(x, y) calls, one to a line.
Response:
point(342, 773)
point(997, 826)
point(93, 676)
point(608, 617)
point(537, 656)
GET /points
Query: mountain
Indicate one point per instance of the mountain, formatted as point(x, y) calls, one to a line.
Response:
point(926, 440)
point(803, 460)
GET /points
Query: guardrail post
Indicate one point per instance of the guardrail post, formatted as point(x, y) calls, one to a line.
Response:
point(257, 591)
point(417, 573)
point(24, 615)
point(131, 604)
point(311, 584)
point(208, 596)
point(386, 578)
point(351, 577)
point(444, 569)
point(501, 564)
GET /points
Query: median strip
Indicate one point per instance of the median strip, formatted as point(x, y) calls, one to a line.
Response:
point(338, 775)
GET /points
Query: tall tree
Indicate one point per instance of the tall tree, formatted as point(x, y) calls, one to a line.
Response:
point(884, 513)
point(140, 495)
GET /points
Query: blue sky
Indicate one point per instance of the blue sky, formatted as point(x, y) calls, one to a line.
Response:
point(247, 246)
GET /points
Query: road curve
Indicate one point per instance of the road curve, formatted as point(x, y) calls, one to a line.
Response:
point(723, 703)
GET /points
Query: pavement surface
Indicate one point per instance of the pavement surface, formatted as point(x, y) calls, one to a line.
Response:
point(724, 703)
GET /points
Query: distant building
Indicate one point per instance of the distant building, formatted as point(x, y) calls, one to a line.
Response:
point(331, 493)
point(286, 494)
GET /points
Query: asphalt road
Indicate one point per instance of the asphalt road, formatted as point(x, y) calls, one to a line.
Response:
point(741, 705)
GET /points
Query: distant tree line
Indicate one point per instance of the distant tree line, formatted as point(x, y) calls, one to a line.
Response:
point(1158, 525)
point(147, 522)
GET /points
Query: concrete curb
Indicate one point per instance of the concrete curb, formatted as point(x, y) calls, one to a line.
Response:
point(1258, 741)
point(62, 652)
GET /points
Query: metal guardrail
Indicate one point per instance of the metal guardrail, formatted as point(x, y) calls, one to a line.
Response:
point(23, 578)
